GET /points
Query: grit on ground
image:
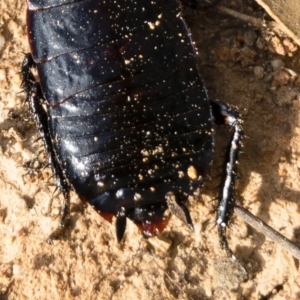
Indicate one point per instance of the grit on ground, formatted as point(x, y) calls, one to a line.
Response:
point(252, 68)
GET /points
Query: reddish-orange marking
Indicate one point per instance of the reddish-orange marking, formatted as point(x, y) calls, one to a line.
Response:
point(153, 228)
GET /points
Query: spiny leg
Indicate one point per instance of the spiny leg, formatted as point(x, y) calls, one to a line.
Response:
point(34, 99)
point(225, 114)
point(63, 219)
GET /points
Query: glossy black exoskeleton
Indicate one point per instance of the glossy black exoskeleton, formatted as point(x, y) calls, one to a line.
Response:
point(128, 123)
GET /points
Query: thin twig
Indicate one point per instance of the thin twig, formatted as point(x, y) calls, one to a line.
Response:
point(254, 21)
point(268, 231)
point(277, 26)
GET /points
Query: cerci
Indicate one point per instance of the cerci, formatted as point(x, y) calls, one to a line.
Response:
point(127, 123)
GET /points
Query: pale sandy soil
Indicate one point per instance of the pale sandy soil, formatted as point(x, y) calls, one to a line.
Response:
point(88, 263)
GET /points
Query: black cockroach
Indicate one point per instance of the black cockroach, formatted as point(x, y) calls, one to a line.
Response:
point(122, 110)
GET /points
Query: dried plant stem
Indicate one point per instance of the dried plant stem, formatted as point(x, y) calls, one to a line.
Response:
point(254, 21)
point(277, 26)
point(268, 231)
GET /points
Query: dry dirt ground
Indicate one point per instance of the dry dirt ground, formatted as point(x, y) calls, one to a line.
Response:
point(253, 68)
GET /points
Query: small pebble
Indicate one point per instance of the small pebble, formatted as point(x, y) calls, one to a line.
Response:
point(2, 41)
point(277, 64)
point(281, 78)
point(250, 37)
point(259, 72)
point(277, 46)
